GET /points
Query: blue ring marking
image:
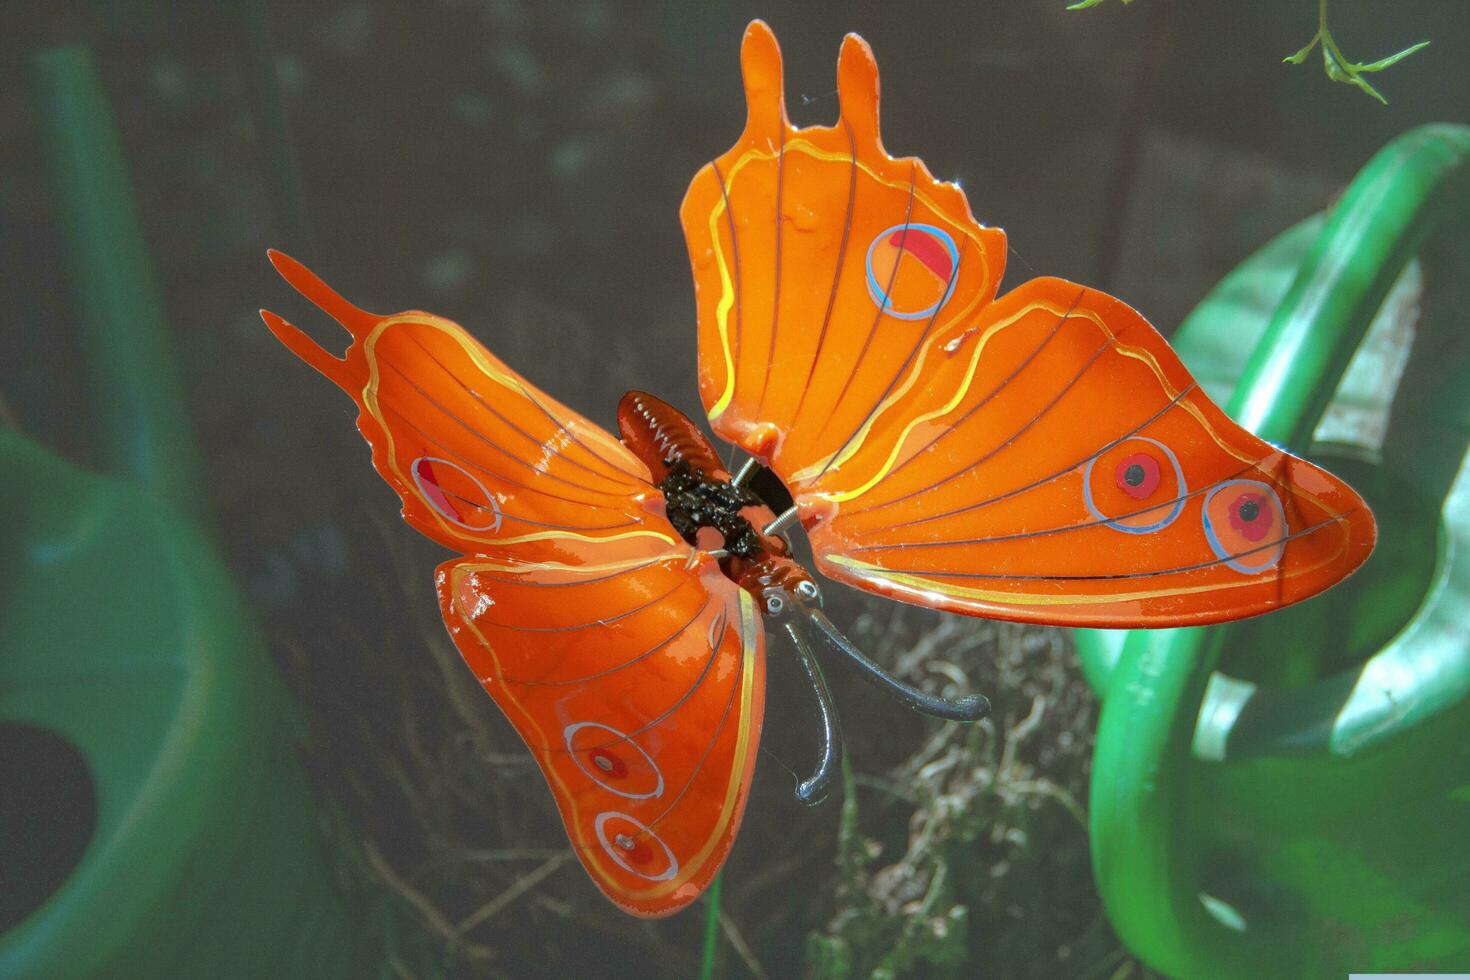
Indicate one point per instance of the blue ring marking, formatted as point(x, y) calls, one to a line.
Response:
point(1214, 539)
point(876, 291)
point(493, 504)
point(1129, 528)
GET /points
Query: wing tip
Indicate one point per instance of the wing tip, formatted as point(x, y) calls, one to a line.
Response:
point(354, 319)
point(858, 89)
point(298, 343)
point(761, 71)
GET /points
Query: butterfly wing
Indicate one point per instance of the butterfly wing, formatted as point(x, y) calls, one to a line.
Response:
point(1041, 456)
point(632, 668)
point(809, 322)
point(482, 461)
point(639, 689)
point(1062, 466)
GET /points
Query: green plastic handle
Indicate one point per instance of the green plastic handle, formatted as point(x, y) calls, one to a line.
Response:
point(1145, 863)
point(142, 429)
point(1413, 187)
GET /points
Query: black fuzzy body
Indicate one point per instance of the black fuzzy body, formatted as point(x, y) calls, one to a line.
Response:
point(694, 500)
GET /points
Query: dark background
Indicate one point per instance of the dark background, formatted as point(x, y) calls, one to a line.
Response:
point(518, 166)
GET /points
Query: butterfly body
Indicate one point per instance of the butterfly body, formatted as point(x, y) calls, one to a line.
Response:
point(700, 495)
point(1039, 455)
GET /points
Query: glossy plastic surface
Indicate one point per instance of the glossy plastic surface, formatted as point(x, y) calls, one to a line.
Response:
point(1041, 456)
point(1254, 829)
point(205, 857)
point(123, 639)
point(629, 664)
point(142, 431)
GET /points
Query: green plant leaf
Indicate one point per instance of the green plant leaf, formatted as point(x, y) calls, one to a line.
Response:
point(1301, 55)
point(1393, 58)
point(1338, 66)
point(1339, 69)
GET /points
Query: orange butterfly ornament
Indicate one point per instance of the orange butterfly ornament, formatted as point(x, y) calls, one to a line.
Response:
point(1039, 456)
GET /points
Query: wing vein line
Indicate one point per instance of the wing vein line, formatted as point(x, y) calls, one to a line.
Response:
point(719, 729)
point(903, 237)
point(776, 297)
point(988, 397)
point(1061, 472)
point(603, 621)
point(836, 271)
point(540, 443)
point(531, 584)
point(1177, 570)
point(630, 522)
point(971, 466)
point(679, 702)
point(893, 382)
point(1060, 529)
point(465, 461)
point(572, 434)
point(614, 669)
point(493, 445)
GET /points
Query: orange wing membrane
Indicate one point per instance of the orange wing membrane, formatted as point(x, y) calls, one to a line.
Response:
point(639, 688)
point(1041, 456)
point(631, 666)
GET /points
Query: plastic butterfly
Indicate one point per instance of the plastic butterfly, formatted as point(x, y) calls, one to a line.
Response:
point(1039, 456)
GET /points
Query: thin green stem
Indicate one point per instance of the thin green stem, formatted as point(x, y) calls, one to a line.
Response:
point(711, 928)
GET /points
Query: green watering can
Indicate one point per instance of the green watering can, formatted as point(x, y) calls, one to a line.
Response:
point(157, 821)
point(1290, 796)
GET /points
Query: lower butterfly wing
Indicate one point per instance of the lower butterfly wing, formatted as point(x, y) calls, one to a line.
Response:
point(1061, 466)
point(639, 688)
point(483, 461)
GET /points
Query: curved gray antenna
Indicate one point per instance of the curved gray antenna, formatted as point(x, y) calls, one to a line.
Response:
point(970, 708)
point(813, 790)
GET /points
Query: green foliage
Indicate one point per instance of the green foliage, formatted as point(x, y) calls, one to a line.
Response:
point(1337, 65)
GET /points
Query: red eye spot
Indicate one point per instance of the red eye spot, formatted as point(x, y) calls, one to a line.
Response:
point(1251, 516)
point(1137, 475)
point(609, 764)
point(633, 849)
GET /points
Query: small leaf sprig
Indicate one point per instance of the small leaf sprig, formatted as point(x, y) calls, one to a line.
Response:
point(1337, 65)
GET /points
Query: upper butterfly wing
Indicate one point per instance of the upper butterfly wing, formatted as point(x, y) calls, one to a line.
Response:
point(632, 668)
point(483, 461)
point(1041, 456)
point(1060, 465)
point(821, 268)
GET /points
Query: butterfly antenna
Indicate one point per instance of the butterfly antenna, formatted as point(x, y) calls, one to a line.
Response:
point(972, 707)
point(813, 790)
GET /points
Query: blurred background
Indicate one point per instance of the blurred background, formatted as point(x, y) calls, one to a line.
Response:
point(517, 166)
